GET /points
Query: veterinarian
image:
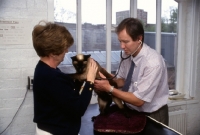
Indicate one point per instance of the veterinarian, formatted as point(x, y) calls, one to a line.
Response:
point(58, 107)
point(148, 88)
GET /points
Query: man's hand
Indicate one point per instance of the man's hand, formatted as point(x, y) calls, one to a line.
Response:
point(102, 85)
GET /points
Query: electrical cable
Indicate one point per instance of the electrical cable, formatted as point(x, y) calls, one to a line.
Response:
point(15, 113)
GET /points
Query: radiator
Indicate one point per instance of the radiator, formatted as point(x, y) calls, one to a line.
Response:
point(177, 121)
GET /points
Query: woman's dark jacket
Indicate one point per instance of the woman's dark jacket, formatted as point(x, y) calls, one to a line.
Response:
point(58, 107)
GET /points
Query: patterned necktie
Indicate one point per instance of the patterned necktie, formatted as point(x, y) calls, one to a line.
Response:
point(128, 79)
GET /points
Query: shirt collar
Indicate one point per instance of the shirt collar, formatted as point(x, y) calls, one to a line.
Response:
point(137, 58)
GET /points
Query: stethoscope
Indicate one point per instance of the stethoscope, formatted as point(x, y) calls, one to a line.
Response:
point(122, 59)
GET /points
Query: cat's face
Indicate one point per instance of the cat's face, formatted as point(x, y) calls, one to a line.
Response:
point(80, 62)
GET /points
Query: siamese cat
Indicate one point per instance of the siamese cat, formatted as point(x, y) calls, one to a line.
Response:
point(80, 63)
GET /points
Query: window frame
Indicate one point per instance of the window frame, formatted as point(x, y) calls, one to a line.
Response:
point(185, 83)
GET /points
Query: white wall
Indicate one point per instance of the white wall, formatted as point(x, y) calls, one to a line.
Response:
point(17, 62)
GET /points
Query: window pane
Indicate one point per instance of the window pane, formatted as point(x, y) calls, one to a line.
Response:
point(120, 11)
point(169, 38)
point(65, 14)
point(93, 25)
point(150, 22)
point(147, 7)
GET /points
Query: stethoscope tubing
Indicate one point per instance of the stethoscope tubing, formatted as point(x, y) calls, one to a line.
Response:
point(122, 59)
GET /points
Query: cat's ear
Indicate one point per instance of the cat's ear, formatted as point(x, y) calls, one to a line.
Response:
point(87, 56)
point(73, 57)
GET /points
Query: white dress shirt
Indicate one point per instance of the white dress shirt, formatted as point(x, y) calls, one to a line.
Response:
point(149, 81)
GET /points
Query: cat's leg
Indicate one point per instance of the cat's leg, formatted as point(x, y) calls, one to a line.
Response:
point(102, 105)
point(120, 104)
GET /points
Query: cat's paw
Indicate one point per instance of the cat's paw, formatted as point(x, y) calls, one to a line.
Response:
point(93, 118)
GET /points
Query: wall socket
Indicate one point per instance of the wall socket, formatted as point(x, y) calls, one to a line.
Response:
point(30, 83)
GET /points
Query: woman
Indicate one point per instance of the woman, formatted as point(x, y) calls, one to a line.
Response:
point(58, 107)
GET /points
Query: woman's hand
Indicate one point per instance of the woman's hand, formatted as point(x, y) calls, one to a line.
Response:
point(91, 75)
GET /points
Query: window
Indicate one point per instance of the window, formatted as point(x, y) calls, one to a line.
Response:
point(94, 25)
